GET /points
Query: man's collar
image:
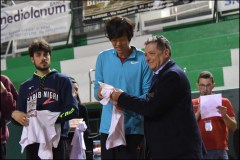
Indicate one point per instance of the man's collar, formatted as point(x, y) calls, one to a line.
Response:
point(161, 67)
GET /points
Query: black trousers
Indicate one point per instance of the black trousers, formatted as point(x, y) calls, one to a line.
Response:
point(61, 152)
point(3, 151)
point(133, 150)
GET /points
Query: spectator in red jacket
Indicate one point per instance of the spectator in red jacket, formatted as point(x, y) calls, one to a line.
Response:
point(8, 104)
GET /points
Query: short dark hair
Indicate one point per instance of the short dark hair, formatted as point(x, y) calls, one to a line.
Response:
point(205, 75)
point(119, 26)
point(74, 81)
point(161, 41)
point(39, 45)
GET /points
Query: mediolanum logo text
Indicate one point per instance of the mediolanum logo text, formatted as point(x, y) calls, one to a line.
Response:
point(30, 13)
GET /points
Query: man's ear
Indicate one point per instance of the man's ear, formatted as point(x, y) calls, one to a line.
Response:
point(167, 52)
point(32, 59)
point(197, 86)
point(214, 84)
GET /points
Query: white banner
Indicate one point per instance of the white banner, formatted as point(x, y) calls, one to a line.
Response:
point(228, 5)
point(35, 19)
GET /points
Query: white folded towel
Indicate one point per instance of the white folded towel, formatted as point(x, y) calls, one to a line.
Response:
point(43, 130)
point(78, 144)
point(116, 135)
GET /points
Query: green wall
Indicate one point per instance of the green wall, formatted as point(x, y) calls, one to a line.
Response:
point(204, 47)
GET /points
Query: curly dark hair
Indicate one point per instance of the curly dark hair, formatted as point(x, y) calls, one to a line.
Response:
point(39, 45)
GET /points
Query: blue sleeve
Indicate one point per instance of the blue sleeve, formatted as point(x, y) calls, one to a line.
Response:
point(98, 76)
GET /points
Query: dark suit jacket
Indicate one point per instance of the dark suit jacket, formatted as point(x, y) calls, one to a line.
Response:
point(171, 129)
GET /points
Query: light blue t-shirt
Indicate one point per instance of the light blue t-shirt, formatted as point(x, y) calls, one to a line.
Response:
point(133, 77)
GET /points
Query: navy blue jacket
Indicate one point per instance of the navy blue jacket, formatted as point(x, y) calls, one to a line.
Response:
point(171, 129)
point(53, 93)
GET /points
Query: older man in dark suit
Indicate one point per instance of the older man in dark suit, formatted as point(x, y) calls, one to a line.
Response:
point(171, 129)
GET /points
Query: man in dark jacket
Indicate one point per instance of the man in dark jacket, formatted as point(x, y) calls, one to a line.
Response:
point(171, 129)
point(48, 90)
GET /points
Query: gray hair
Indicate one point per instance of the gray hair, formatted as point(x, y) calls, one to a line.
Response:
point(161, 41)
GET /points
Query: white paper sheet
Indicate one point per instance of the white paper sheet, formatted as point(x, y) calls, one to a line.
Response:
point(208, 105)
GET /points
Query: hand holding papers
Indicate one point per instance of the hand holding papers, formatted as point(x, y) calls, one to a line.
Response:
point(209, 104)
point(222, 110)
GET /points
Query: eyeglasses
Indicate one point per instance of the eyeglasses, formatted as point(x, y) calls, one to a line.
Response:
point(202, 86)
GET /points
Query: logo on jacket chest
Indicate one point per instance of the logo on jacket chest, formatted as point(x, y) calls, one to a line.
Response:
point(45, 94)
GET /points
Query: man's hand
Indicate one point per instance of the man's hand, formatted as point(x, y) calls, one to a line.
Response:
point(222, 110)
point(115, 94)
point(197, 114)
point(20, 117)
point(99, 93)
point(230, 122)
